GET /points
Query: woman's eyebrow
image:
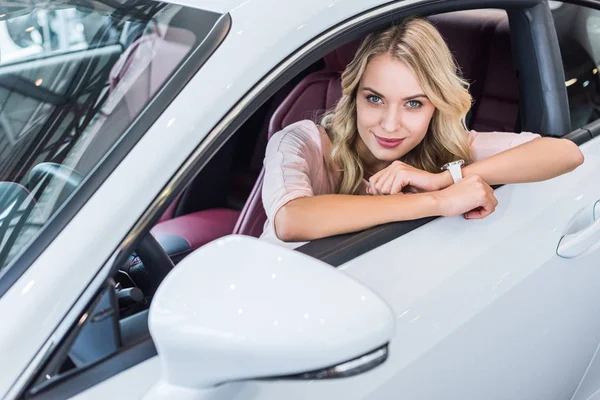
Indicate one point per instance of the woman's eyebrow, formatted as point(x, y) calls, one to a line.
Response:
point(375, 92)
point(415, 96)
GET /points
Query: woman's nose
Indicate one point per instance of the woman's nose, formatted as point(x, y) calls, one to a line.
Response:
point(390, 120)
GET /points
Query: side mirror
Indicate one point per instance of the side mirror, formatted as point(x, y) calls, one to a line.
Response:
point(240, 308)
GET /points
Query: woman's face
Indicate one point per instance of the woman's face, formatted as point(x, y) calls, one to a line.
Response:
point(393, 113)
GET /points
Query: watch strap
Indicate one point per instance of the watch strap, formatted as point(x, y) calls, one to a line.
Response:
point(456, 172)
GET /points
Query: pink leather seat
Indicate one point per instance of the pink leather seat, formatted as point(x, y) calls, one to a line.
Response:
point(309, 99)
point(181, 235)
point(480, 42)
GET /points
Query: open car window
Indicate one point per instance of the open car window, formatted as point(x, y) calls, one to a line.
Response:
point(75, 76)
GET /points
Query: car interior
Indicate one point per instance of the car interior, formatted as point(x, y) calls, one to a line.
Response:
point(212, 207)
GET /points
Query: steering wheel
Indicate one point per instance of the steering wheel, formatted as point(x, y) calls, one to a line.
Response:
point(148, 266)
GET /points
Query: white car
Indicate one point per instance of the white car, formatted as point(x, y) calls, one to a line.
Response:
point(160, 127)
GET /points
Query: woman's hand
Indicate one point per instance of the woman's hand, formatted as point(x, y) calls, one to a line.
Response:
point(470, 196)
point(399, 176)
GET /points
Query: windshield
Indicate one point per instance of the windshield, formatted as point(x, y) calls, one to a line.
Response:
point(75, 75)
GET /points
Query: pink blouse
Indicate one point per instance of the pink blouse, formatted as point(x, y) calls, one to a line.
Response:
point(296, 165)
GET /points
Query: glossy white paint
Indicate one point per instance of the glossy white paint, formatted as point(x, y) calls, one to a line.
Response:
point(240, 308)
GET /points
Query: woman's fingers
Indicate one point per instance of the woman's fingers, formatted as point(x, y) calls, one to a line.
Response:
point(488, 205)
point(398, 184)
point(378, 180)
point(385, 184)
point(471, 197)
point(478, 213)
point(397, 176)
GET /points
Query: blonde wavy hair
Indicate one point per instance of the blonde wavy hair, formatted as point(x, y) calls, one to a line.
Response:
point(419, 45)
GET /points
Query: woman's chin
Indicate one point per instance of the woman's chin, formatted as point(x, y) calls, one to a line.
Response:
point(387, 155)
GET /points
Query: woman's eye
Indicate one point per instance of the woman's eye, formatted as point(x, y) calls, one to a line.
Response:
point(414, 104)
point(374, 99)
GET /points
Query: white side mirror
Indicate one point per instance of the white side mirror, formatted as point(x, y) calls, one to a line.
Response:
point(240, 308)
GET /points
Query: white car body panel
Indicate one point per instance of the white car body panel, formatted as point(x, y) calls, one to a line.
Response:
point(450, 303)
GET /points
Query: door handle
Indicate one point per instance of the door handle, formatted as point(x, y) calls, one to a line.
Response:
point(576, 243)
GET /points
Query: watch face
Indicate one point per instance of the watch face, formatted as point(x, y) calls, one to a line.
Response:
point(453, 163)
point(459, 162)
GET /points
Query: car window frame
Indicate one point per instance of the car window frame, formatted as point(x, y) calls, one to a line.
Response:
point(334, 250)
point(221, 24)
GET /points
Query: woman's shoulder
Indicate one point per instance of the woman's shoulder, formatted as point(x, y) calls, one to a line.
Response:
point(301, 136)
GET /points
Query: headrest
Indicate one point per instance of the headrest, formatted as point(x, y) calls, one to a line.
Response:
point(471, 20)
point(338, 59)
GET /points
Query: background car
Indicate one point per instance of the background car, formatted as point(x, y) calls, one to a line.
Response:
point(142, 148)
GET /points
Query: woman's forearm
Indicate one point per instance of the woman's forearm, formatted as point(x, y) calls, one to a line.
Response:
point(533, 161)
point(315, 217)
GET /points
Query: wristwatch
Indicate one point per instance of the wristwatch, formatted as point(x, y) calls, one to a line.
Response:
point(455, 169)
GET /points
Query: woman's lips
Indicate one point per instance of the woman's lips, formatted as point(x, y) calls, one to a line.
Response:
point(388, 143)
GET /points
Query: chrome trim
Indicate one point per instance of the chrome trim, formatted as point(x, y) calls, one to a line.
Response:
point(346, 369)
point(361, 362)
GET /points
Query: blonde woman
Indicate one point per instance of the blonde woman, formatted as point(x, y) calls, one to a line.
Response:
point(377, 157)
